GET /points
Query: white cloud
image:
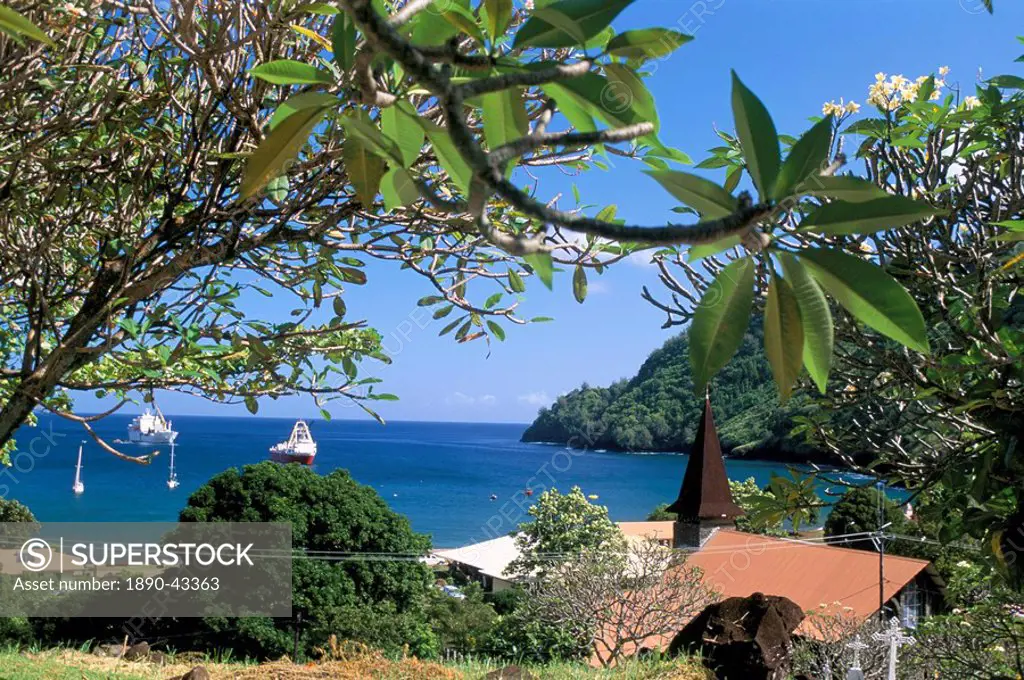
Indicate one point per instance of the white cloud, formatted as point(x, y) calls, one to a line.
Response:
point(463, 399)
point(535, 399)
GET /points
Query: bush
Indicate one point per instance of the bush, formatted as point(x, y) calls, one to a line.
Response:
point(857, 512)
point(463, 624)
point(380, 602)
point(13, 511)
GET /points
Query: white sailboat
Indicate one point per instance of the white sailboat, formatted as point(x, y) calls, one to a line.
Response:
point(172, 480)
point(78, 486)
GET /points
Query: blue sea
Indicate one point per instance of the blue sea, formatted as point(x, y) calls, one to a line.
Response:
point(440, 475)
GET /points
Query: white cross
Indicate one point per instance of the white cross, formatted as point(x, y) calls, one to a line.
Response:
point(895, 638)
point(857, 646)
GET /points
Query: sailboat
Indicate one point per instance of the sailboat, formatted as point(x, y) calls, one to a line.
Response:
point(172, 480)
point(78, 486)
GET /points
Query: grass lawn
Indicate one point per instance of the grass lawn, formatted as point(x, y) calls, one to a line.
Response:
point(75, 665)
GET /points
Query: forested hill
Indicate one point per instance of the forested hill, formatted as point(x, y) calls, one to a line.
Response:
point(657, 411)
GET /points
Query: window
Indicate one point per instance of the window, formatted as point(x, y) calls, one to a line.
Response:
point(911, 606)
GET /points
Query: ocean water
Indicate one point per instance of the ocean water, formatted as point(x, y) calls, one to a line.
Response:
point(440, 475)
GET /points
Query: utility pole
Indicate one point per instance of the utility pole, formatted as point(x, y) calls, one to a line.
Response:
point(881, 551)
point(298, 627)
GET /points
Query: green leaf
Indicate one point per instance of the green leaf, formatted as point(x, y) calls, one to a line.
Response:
point(339, 307)
point(252, 405)
point(399, 124)
point(499, 16)
point(364, 168)
point(783, 335)
point(504, 117)
point(869, 294)
point(497, 330)
point(575, 109)
point(816, 318)
point(842, 217)
point(706, 250)
point(277, 189)
point(448, 156)
point(1012, 82)
point(515, 282)
point(304, 100)
point(807, 158)
point(706, 197)
point(462, 18)
point(291, 72)
point(343, 40)
point(1012, 225)
point(15, 25)
point(399, 189)
point(720, 321)
point(647, 43)
point(627, 90)
point(758, 139)
point(579, 21)
point(278, 148)
point(542, 266)
point(579, 284)
point(358, 125)
point(846, 188)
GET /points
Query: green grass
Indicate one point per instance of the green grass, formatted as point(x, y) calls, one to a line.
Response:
point(17, 666)
point(70, 664)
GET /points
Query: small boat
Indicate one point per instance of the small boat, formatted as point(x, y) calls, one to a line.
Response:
point(78, 487)
point(151, 428)
point(172, 479)
point(300, 447)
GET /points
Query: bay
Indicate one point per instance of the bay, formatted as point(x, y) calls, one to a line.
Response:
point(440, 475)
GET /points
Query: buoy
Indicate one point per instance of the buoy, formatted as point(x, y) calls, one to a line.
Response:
point(494, 496)
point(529, 492)
point(593, 496)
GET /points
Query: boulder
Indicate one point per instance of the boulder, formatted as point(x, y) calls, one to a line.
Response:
point(158, 658)
point(112, 649)
point(743, 638)
point(137, 652)
point(511, 673)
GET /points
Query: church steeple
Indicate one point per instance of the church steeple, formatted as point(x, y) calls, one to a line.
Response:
point(705, 501)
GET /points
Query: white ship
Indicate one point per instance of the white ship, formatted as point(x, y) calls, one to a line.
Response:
point(300, 447)
point(151, 428)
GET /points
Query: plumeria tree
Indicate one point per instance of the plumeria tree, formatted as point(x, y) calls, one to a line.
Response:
point(188, 158)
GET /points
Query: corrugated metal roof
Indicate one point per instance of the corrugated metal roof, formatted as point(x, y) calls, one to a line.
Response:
point(490, 557)
point(811, 574)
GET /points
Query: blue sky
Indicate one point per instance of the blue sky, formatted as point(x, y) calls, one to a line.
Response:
point(795, 54)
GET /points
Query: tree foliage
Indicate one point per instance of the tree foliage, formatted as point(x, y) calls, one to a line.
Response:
point(657, 410)
point(562, 525)
point(13, 511)
point(379, 602)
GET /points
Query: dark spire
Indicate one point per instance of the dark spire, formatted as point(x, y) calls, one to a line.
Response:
point(705, 492)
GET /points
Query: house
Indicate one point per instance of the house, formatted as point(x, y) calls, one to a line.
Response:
point(737, 564)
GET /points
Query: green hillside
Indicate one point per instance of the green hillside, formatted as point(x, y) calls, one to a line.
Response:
point(657, 410)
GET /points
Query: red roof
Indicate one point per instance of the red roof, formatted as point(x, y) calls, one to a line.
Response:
point(737, 564)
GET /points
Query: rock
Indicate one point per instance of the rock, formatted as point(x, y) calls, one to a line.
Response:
point(114, 650)
point(197, 673)
point(511, 673)
point(743, 637)
point(137, 652)
point(158, 658)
